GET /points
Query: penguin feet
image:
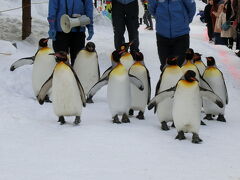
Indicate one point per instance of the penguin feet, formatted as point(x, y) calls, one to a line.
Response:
point(164, 126)
point(196, 139)
point(131, 112)
point(77, 120)
point(221, 118)
point(46, 99)
point(208, 117)
point(203, 123)
point(180, 135)
point(140, 115)
point(89, 100)
point(173, 125)
point(116, 120)
point(61, 120)
point(125, 118)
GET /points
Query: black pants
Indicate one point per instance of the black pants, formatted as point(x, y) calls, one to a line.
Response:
point(238, 41)
point(125, 15)
point(172, 47)
point(147, 19)
point(71, 42)
point(210, 31)
point(218, 39)
point(228, 42)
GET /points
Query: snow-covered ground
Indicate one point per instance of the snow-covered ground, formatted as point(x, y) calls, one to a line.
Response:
point(34, 147)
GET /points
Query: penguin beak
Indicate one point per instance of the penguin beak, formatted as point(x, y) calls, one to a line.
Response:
point(194, 79)
point(45, 41)
point(120, 52)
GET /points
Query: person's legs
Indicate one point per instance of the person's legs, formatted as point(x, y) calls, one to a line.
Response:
point(118, 21)
point(145, 19)
point(179, 47)
point(210, 31)
point(230, 43)
point(149, 18)
point(62, 42)
point(131, 10)
point(77, 43)
point(225, 41)
point(218, 39)
point(164, 49)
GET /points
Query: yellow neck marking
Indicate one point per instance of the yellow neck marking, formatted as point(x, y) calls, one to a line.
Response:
point(119, 70)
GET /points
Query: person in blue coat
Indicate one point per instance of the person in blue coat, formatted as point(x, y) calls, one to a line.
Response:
point(124, 15)
point(74, 41)
point(172, 27)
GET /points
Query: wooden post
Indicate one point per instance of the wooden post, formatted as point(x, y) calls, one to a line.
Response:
point(26, 18)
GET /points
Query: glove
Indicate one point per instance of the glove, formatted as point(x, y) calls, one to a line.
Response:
point(109, 6)
point(90, 32)
point(52, 34)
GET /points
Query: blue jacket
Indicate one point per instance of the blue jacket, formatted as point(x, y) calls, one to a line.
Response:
point(58, 7)
point(123, 1)
point(172, 16)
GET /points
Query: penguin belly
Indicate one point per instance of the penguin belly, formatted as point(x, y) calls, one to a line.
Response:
point(127, 60)
point(169, 79)
point(118, 93)
point(216, 82)
point(87, 70)
point(65, 93)
point(164, 110)
point(43, 67)
point(187, 108)
point(139, 99)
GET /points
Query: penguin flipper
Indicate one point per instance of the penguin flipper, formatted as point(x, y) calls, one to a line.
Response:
point(160, 97)
point(205, 84)
point(22, 62)
point(106, 73)
point(44, 90)
point(149, 86)
point(137, 82)
point(211, 96)
point(81, 90)
point(225, 88)
point(157, 88)
point(97, 87)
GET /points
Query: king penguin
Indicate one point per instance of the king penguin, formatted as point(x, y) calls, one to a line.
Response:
point(169, 78)
point(42, 68)
point(43, 43)
point(187, 104)
point(68, 96)
point(118, 90)
point(215, 79)
point(188, 65)
point(87, 68)
point(197, 61)
point(140, 99)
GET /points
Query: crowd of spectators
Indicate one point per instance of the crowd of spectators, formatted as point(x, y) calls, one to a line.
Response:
point(222, 18)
